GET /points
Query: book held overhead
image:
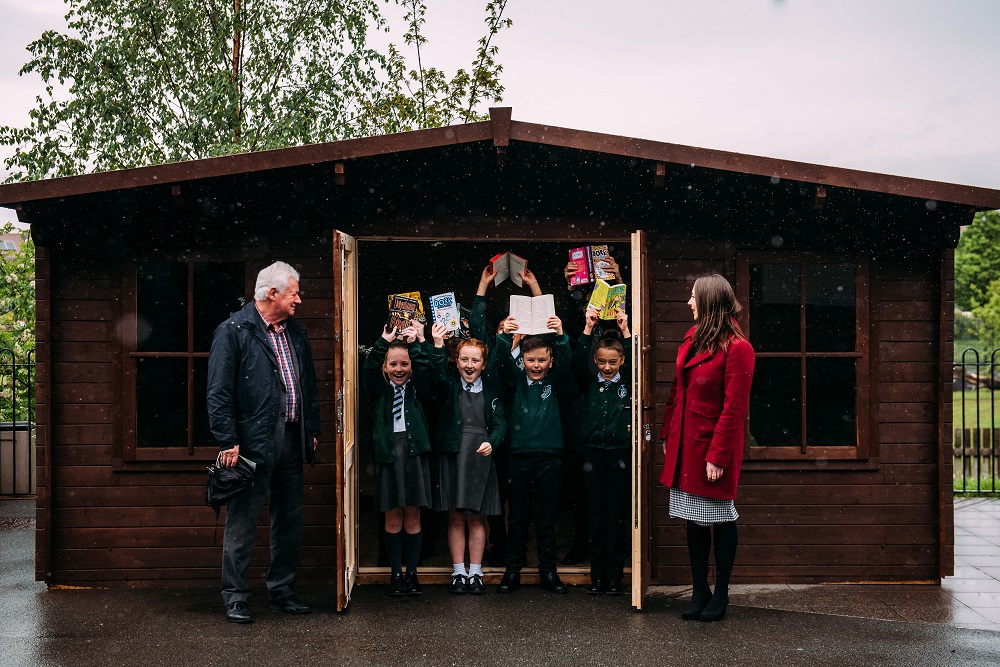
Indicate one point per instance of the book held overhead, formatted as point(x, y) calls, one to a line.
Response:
point(607, 299)
point(532, 313)
point(508, 265)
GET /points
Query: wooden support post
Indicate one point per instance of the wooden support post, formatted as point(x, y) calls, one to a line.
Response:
point(338, 173)
point(500, 128)
point(177, 196)
point(660, 175)
point(819, 200)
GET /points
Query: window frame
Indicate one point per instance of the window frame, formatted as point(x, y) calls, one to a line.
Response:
point(190, 450)
point(865, 445)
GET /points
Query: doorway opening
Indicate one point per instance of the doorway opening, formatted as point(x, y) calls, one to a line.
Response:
point(432, 267)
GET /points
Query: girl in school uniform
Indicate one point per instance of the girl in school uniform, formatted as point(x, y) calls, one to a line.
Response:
point(604, 434)
point(471, 425)
point(396, 371)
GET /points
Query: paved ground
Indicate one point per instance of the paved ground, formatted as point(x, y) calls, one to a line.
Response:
point(774, 625)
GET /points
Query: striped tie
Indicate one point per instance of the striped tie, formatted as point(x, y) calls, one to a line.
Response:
point(605, 384)
point(397, 403)
point(469, 386)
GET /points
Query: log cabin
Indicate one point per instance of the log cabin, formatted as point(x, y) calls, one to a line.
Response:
point(846, 278)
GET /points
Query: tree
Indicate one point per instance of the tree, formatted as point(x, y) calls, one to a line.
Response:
point(977, 260)
point(17, 334)
point(153, 81)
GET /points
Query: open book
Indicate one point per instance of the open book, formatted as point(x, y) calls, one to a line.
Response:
point(591, 264)
point(607, 299)
point(532, 313)
point(508, 265)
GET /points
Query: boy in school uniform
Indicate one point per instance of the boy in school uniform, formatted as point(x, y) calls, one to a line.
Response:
point(536, 379)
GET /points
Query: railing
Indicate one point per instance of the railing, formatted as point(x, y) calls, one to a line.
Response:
point(977, 434)
point(17, 424)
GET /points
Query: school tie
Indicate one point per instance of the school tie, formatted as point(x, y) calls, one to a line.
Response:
point(535, 383)
point(605, 384)
point(397, 403)
point(469, 386)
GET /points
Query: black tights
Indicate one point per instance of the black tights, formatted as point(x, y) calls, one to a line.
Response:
point(699, 539)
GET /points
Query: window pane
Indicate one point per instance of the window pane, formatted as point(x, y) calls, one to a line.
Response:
point(161, 402)
point(831, 418)
point(775, 400)
point(161, 304)
point(201, 437)
point(218, 289)
point(774, 307)
point(830, 308)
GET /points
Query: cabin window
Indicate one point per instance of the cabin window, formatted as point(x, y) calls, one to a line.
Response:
point(807, 318)
point(177, 305)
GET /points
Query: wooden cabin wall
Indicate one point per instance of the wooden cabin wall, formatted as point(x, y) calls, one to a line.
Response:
point(815, 524)
point(147, 523)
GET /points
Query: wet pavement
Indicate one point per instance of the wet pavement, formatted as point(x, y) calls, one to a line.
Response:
point(952, 624)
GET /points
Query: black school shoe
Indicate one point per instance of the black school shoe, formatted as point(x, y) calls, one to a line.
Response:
point(511, 582)
point(597, 587)
point(551, 582)
point(412, 585)
point(458, 584)
point(474, 584)
point(615, 587)
point(397, 586)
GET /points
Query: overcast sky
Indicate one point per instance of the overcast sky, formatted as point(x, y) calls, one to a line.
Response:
point(906, 87)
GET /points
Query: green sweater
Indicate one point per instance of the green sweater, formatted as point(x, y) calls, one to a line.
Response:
point(605, 417)
point(535, 424)
point(381, 392)
point(447, 390)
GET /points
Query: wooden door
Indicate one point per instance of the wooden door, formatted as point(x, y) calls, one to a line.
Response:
point(346, 375)
point(643, 403)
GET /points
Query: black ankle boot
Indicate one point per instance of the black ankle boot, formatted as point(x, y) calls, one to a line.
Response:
point(716, 608)
point(699, 600)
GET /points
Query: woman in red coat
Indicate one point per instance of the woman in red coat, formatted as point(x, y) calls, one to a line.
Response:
point(703, 426)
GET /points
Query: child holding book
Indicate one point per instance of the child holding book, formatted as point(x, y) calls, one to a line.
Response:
point(470, 427)
point(394, 369)
point(604, 433)
point(535, 437)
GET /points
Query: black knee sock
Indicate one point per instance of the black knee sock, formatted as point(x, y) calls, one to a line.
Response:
point(394, 550)
point(699, 540)
point(411, 543)
point(725, 554)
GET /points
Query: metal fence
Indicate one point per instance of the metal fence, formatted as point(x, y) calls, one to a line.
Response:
point(17, 423)
point(976, 440)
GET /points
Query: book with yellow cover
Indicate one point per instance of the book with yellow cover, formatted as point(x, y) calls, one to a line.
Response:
point(607, 299)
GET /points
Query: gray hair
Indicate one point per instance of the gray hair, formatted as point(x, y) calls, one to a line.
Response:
point(277, 276)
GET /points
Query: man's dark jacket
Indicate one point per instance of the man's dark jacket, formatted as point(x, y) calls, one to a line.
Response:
point(245, 386)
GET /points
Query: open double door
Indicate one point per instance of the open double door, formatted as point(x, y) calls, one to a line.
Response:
point(347, 391)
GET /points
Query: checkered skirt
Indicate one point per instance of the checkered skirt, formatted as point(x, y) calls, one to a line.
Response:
point(703, 511)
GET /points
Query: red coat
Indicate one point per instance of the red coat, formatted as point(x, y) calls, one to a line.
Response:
point(704, 419)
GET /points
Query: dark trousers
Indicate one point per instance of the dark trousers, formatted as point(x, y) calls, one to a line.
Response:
point(532, 493)
point(606, 484)
point(280, 486)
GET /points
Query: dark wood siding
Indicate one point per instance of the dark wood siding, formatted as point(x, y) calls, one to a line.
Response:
point(870, 520)
point(143, 523)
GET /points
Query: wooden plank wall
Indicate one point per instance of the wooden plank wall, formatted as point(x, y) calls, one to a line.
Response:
point(137, 523)
point(816, 524)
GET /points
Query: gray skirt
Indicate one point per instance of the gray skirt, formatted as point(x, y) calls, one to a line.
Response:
point(703, 511)
point(406, 482)
point(465, 480)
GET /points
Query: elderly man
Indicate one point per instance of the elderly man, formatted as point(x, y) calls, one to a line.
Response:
point(263, 405)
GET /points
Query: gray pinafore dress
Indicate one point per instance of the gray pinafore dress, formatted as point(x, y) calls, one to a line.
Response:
point(467, 480)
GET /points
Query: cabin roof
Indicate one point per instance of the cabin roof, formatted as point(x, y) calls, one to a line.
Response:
point(502, 131)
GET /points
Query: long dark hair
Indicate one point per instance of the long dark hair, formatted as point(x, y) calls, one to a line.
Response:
point(717, 310)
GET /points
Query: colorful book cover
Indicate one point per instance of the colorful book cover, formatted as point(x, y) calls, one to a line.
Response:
point(508, 265)
point(607, 299)
point(402, 310)
point(599, 255)
point(444, 310)
point(584, 266)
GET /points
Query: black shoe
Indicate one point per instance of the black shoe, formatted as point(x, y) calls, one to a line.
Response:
point(575, 556)
point(550, 581)
point(597, 587)
point(238, 612)
point(458, 584)
point(397, 586)
point(474, 584)
point(412, 585)
point(615, 587)
point(715, 610)
point(699, 600)
point(291, 605)
point(511, 582)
